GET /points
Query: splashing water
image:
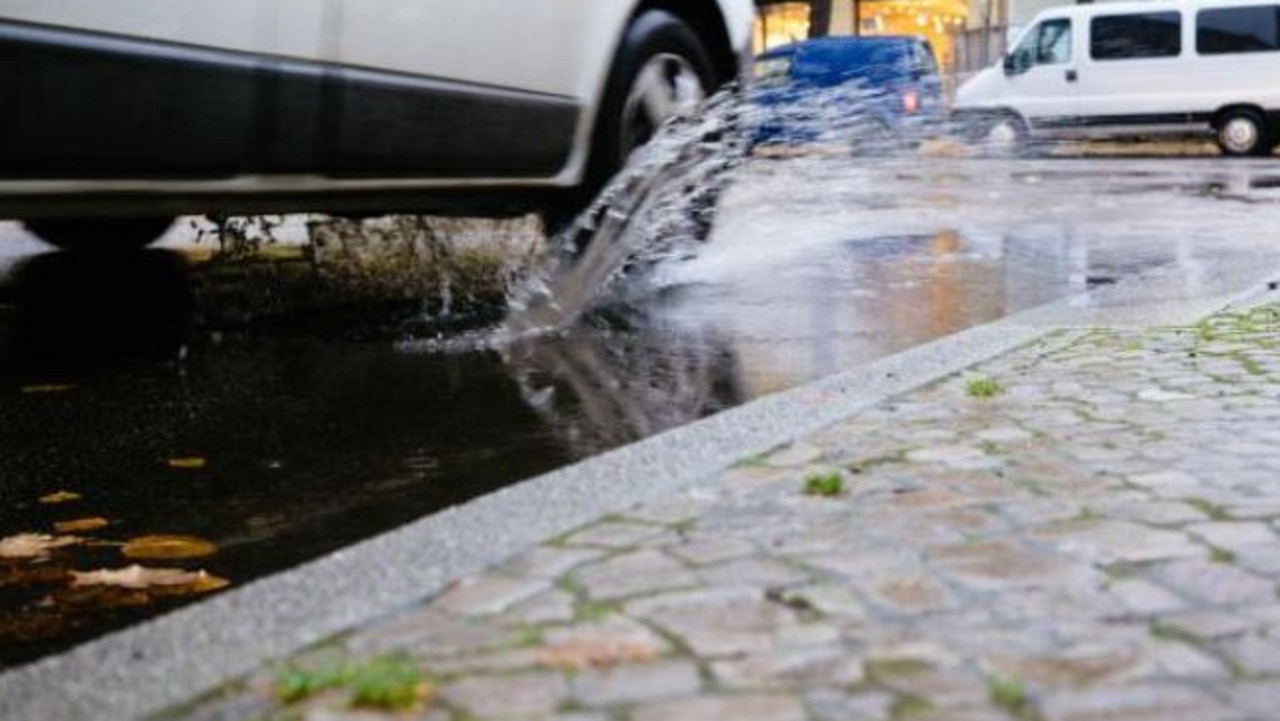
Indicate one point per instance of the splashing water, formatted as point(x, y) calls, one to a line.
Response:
point(657, 207)
point(660, 206)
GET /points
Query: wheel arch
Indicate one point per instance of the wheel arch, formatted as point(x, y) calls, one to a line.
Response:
point(1222, 111)
point(706, 19)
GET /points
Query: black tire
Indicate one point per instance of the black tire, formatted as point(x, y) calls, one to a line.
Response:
point(100, 235)
point(1243, 132)
point(1002, 135)
point(652, 37)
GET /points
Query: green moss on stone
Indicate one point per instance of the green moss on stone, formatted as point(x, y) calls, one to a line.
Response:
point(984, 388)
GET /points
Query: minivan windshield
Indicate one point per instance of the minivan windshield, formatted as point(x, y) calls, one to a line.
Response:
point(1046, 43)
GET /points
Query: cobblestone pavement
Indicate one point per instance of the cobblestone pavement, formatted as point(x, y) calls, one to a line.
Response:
point(1082, 530)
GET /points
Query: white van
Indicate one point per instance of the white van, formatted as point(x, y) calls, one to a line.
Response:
point(120, 114)
point(1136, 68)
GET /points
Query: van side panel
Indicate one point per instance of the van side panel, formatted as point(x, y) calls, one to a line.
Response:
point(1238, 78)
point(1139, 91)
point(290, 28)
point(94, 106)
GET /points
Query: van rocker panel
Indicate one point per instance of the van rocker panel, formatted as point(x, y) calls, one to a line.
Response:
point(93, 106)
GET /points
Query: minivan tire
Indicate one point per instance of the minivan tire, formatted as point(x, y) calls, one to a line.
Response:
point(99, 235)
point(1243, 132)
point(1004, 134)
point(978, 128)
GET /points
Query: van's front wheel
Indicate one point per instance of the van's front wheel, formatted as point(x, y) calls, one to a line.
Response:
point(1001, 134)
point(1243, 132)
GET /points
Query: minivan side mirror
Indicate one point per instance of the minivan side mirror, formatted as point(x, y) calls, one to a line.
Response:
point(1017, 62)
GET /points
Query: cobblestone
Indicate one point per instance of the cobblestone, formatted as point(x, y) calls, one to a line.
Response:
point(636, 683)
point(739, 707)
point(508, 696)
point(1101, 542)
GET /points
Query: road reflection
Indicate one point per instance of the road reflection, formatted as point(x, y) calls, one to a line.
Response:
point(612, 379)
point(306, 443)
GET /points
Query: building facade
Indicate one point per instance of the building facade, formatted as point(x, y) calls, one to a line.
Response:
point(965, 34)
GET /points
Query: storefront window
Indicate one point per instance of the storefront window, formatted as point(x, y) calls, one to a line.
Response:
point(936, 20)
point(939, 21)
point(780, 24)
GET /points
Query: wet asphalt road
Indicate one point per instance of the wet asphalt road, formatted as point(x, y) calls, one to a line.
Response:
point(312, 440)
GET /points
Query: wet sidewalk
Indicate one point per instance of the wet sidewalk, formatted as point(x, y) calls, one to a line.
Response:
point(1082, 529)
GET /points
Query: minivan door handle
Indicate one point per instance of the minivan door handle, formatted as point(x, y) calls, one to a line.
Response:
point(1071, 76)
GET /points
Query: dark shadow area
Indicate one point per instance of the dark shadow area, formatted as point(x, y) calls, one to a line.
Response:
point(80, 315)
point(276, 448)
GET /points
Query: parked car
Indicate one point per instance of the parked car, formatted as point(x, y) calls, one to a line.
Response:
point(1183, 67)
point(882, 89)
point(121, 115)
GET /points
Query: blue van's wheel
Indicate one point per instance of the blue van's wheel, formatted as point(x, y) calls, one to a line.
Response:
point(1243, 132)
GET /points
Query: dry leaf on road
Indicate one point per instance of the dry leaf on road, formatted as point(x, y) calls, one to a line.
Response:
point(188, 464)
point(155, 580)
point(167, 548)
point(60, 497)
point(33, 545)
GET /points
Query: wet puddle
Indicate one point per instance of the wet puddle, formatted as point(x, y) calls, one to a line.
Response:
point(170, 430)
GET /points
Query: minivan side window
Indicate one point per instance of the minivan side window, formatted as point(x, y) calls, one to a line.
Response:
point(1136, 35)
point(1251, 29)
point(1053, 46)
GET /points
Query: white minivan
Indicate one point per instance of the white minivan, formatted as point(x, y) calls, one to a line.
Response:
point(119, 114)
point(1136, 68)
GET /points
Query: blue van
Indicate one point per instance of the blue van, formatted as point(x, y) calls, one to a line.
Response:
point(884, 89)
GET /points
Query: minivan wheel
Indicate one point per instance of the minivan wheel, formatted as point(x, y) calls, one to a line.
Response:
point(661, 69)
point(1242, 132)
point(1004, 134)
point(99, 235)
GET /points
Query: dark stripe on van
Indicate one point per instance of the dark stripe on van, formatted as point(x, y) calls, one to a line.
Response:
point(1095, 121)
point(80, 104)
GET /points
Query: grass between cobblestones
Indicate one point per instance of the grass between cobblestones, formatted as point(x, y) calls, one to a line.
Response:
point(827, 485)
point(984, 388)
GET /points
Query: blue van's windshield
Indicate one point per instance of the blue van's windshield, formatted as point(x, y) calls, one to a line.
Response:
point(833, 61)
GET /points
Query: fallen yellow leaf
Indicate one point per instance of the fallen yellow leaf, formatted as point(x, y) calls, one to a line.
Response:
point(156, 548)
point(60, 497)
point(155, 580)
point(188, 464)
point(81, 525)
point(48, 388)
point(33, 545)
point(206, 583)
